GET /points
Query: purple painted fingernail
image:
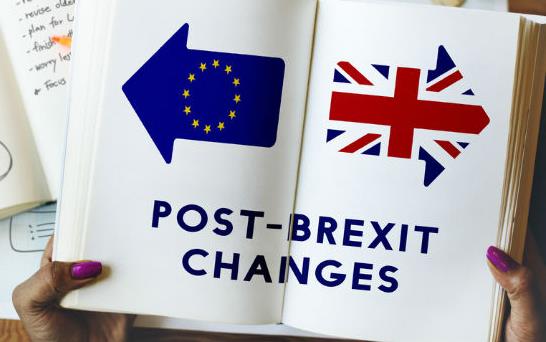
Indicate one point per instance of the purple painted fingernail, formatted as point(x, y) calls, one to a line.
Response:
point(85, 270)
point(502, 261)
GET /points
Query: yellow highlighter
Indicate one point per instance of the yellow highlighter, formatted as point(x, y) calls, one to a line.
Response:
point(65, 41)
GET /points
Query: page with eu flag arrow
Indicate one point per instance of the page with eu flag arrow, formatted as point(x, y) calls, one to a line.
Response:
point(192, 155)
point(337, 166)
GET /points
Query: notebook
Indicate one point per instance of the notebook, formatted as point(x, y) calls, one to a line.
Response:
point(337, 166)
point(22, 240)
point(33, 98)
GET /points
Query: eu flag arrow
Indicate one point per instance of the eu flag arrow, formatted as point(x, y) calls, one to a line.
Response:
point(207, 96)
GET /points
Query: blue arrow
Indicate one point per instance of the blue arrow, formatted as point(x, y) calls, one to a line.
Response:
point(208, 96)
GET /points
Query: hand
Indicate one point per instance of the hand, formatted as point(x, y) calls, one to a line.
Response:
point(526, 289)
point(37, 303)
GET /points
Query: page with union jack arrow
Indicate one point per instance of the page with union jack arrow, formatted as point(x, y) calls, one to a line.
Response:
point(402, 169)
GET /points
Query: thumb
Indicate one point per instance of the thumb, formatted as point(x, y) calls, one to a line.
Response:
point(52, 282)
point(518, 281)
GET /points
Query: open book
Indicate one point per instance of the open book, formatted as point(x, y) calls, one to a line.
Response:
point(337, 166)
point(33, 101)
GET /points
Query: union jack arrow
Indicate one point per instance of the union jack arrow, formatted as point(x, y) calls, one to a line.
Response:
point(405, 112)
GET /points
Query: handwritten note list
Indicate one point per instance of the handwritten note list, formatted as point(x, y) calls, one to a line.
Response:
point(29, 30)
point(38, 22)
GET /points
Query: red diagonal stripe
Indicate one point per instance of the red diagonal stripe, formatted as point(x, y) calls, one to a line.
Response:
point(355, 74)
point(446, 82)
point(363, 141)
point(449, 148)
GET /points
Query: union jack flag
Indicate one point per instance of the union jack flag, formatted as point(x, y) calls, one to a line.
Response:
point(401, 112)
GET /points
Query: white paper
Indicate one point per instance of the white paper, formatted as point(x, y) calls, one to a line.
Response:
point(446, 293)
point(130, 173)
point(41, 69)
point(183, 324)
point(22, 182)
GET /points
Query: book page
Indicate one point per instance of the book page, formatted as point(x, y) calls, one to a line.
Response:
point(41, 69)
point(402, 172)
point(22, 182)
point(196, 156)
point(187, 324)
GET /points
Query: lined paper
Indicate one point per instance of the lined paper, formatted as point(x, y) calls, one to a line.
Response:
point(41, 69)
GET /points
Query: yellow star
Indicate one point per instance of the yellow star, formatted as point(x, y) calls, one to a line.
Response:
point(228, 69)
point(237, 98)
point(187, 110)
point(232, 114)
point(221, 126)
point(203, 66)
point(195, 123)
point(207, 129)
point(236, 82)
point(186, 93)
point(216, 63)
point(191, 78)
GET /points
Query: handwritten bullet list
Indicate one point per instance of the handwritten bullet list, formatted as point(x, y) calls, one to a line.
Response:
point(39, 21)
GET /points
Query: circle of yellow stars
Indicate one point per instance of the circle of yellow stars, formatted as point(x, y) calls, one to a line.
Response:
point(208, 127)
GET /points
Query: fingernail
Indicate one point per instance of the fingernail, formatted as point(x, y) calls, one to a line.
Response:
point(85, 270)
point(502, 261)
